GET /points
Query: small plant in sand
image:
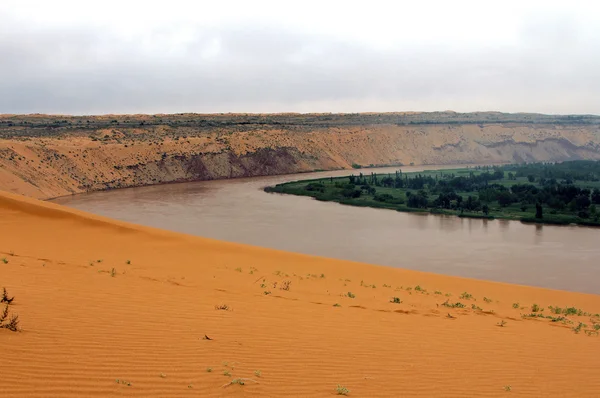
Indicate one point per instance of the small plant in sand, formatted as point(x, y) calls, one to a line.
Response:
point(238, 269)
point(124, 382)
point(507, 388)
point(396, 300)
point(384, 285)
point(573, 311)
point(502, 323)
point(11, 324)
point(578, 328)
point(267, 292)
point(487, 300)
point(285, 285)
point(241, 381)
point(4, 260)
point(209, 369)
point(227, 373)
point(556, 318)
point(336, 305)
point(515, 305)
point(448, 304)
point(466, 296)
point(418, 288)
point(99, 261)
point(257, 373)
point(322, 276)
point(350, 295)
point(341, 390)
point(5, 298)
point(113, 272)
point(535, 308)
point(223, 307)
point(437, 292)
point(262, 285)
point(476, 307)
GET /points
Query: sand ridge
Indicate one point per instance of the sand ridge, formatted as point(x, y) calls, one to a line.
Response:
point(113, 309)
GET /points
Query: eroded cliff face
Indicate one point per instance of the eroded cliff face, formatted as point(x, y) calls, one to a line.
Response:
point(74, 161)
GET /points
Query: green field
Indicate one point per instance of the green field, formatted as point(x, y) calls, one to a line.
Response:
point(553, 193)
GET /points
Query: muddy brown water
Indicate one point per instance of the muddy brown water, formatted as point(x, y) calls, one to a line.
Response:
point(565, 257)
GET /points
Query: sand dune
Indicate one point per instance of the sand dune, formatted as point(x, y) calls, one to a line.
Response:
point(139, 330)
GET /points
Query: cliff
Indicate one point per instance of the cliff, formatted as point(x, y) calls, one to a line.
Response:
point(46, 156)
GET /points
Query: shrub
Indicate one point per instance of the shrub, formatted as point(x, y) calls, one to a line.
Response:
point(11, 324)
point(5, 298)
point(341, 390)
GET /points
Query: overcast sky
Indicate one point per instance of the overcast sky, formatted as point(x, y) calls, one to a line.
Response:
point(91, 57)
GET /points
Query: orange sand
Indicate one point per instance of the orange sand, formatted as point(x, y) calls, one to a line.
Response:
point(82, 329)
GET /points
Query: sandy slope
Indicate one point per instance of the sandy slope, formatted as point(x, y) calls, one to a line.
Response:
point(83, 329)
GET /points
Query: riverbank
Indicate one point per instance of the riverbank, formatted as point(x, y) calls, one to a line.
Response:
point(110, 308)
point(508, 192)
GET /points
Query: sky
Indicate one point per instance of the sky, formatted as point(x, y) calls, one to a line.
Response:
point(97, 57)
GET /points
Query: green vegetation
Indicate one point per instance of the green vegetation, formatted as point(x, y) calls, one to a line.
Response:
point(351, 295)
point(458, 304)
point(466, 296)
point(554, 193)
point(396, 300)
point(341, 390)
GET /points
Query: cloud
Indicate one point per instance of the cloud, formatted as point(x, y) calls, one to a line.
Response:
point(126, 61)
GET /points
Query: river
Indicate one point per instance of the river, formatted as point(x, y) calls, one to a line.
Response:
point(237, 210)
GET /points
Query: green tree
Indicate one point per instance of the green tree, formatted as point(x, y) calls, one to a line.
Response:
point(538, 210)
